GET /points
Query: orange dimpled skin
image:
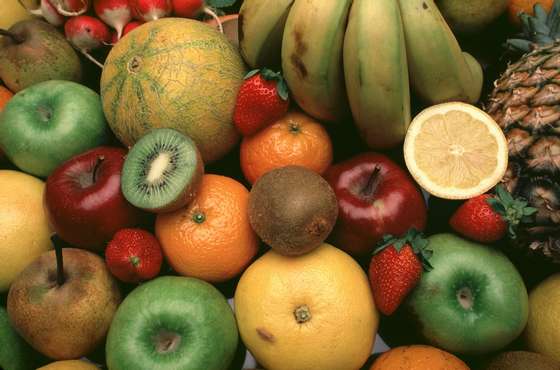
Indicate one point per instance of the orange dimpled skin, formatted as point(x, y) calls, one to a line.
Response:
point(296, 139)
point(526, 6)
point(5, 95)
point(418, 357)
point(210, 239)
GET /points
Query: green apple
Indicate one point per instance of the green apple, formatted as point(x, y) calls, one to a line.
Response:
point(50, 122)
point(172, 322)
point(473, 301)
point(15, 353)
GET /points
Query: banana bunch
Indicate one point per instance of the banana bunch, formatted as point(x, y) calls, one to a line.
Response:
point(360, 57)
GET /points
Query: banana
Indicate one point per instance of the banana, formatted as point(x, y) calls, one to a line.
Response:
point(312, 57)
point(475, 88)
point(261, 26)
point(376, 72)
point(438, 69)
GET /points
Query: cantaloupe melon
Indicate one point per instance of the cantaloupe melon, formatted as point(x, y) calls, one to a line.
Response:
point(177, 73)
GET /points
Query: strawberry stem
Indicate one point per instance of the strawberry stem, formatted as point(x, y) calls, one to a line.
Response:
point(415, 239)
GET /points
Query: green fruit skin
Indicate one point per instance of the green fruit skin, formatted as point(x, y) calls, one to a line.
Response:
point(500, 309)
point(15, 353)
point(37, 144)
point(183, 305)
point(470, 16)
point(45, 55)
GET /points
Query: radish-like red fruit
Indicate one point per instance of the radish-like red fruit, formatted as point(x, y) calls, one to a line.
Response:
point(48, 12)
point(192, 9)
point(115, 13)
point(71, 8)
point(87, 33)
point(129, 27)
point(150, 10)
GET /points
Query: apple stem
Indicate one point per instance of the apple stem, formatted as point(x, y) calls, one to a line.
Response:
point(372, 182)
point(98, 162)
point(17, 39)
point(59, 260)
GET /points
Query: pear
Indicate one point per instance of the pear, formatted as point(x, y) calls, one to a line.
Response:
point(33, 51)
point(63, 303)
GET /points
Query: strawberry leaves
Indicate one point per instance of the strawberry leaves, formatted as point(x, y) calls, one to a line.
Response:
point(269, 75)
point(513, 211)
point(415, 239)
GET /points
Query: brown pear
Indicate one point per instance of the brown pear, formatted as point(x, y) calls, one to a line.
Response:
point(63, 303)
point(33, 51)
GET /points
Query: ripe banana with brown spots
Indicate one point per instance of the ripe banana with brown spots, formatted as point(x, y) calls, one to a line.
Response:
point(312, 49)
point(261, 27)
point(439, 71)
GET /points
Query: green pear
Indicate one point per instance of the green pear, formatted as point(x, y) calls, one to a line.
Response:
point(33, 51)
point(15, 353)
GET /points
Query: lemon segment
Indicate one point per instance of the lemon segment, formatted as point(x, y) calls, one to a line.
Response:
point(455, 151)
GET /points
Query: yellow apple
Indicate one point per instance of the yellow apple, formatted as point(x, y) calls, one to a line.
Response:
point(24, 228)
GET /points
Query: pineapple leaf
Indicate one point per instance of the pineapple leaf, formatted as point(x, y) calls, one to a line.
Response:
point(519, 45)
point(540, 14)
point(554, 19)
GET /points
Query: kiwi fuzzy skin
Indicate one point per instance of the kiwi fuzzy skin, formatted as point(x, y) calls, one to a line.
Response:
point(292, 209)
point(522, 360)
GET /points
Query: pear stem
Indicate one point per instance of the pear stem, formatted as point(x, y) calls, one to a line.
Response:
point(59, 260)
point(17, 39)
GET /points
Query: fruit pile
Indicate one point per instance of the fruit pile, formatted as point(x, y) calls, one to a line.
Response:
point(280, 184)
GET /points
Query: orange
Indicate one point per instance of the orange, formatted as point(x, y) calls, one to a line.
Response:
point(418, 357)
point(5, 95)
point(211, 238)
point(295, 139)
point(526, 6)
point(314, 311)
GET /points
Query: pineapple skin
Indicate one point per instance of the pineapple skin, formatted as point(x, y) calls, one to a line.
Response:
point(525, 103)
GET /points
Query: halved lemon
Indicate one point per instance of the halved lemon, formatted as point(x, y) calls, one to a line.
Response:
point(455, 151)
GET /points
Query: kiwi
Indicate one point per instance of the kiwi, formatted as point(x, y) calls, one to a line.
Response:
point(292, 209)
point(522, 360)
point(162, 171)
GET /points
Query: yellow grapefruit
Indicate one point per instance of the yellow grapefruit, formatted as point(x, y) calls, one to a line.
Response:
point(24, 228)
point(69, 365)
point(176, 73)
point(543, 326)
point(314, 311)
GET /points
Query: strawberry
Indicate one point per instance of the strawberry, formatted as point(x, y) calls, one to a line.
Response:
point(396, 268)
point(487, 218)
point(262, 99)
point(134, 255)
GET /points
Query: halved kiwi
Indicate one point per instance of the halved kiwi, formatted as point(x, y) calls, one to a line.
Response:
point(162, 171)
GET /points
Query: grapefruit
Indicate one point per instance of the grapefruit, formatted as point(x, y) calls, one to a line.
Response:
point(315, 311)
point(176, 73)
point(24, 228)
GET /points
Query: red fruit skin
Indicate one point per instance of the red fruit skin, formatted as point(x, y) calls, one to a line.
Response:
point(85, 212)
point(258, 105)
point(392, 275)
point(187, 8)
point(87, 33)
point(150, 10)
point(115, 13)
point(476, 220)
point(394, 206)
point(129, 244)
point(75, 5)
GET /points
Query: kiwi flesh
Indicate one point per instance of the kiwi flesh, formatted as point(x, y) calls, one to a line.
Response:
point(522, 360)
point(292, 209)
point(162, 171)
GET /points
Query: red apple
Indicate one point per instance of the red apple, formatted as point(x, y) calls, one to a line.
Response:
point(375, 197)
point(84, 201)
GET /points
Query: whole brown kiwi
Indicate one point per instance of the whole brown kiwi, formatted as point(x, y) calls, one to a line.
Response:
point(292, 209)
point(522, 360)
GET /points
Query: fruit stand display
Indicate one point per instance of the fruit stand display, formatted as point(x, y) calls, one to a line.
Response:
point(280, 184)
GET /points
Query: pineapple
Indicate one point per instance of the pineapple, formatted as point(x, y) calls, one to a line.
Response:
point(526, 104)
